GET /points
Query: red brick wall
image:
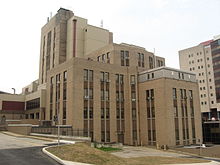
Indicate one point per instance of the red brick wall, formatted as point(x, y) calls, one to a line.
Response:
point(13, 105)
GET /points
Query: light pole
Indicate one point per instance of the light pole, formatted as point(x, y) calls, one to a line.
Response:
point(200, 147)
point(13, 90)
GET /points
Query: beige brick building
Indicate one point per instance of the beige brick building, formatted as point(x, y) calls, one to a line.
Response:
point(112, 92)
point(199, 60)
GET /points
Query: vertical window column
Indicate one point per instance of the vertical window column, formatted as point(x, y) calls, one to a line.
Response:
point(105, 106)
point(176, 119)
point(88, 103)
point(151, 125)
point(192, 116)
point(51, 98)
point(57, 109)
point(133, 109)
point(120, 107)
point(184, 111)
point(64, 95)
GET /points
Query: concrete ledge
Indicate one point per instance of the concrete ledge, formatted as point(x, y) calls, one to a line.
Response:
point(20, 125)
point(75, 138)
point(63, 162)
point(24, 129)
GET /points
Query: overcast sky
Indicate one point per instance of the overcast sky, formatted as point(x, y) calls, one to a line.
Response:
point(166, 25)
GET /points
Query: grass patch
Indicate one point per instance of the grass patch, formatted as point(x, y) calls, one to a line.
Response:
point(109, 149)
point(81, 152)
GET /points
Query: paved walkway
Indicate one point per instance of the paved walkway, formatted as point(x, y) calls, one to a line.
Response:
point(129, 152)
point(211, 163)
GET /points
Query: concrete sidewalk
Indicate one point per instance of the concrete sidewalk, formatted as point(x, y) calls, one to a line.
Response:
point(210, 163)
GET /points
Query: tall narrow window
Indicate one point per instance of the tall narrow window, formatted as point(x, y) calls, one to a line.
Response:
point(151, 117)
point(88, 103)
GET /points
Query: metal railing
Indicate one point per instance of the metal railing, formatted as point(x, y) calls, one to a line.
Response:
point(53, 130)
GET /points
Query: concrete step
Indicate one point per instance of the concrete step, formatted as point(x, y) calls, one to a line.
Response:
point(3, 128)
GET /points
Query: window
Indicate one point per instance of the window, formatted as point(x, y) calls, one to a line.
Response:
point(85, 75)
point(64, 76)
point(133, 113)
point(33, 104)
point(151, 66)
point(90, 113)
point(108, 57)
point(152, 75)
point(98, 58)
point(127, 58)
point(174, 93)
point(107, 95)
point(132, 79)
point(102, 94)
point(107, 113)
point(140, 59)
point(90, 75)
point(85, 113)
point(103, 58)
point(102, 113)
point(91, 93)
point(102, 76)
point(133, 95)
point(86, 96)
point(210, 87)
point(122, 58)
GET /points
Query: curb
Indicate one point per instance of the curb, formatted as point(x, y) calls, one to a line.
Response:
point(61, 161)
point(52, 156)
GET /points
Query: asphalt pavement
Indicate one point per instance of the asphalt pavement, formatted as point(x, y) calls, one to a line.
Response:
point(23, 151)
